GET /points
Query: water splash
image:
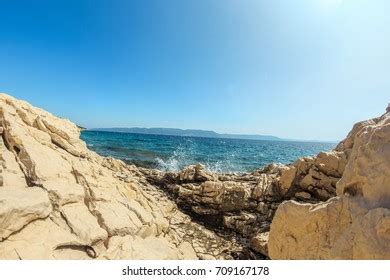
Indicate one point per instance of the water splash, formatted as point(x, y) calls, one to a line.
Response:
point(172, 153)
point(177, 161)
point(184, 156)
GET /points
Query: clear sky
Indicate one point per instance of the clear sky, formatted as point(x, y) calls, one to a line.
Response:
point(304, 69)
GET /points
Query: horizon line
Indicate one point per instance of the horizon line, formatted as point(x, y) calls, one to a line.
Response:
point(204, 130)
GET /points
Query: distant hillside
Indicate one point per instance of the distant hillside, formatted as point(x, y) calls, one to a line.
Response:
point(187, 132)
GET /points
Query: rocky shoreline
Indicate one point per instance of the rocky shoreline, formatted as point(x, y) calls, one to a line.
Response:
point(59, 200)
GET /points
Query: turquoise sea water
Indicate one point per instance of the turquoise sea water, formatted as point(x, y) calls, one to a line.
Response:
point(172, 153)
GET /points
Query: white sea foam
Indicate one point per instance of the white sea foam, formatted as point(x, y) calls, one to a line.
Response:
point(222, 167)
point(183, 157)
point(171, 164)
point(176, 162)
point(175, 153)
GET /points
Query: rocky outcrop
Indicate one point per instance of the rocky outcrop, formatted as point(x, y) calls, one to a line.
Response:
point(331, 206)
point(356, 223)
point(20, 207)
point(59, 200)
point(246, 203)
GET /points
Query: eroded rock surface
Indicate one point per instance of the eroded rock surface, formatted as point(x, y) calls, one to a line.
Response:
point(356, 223)
point(246, 203)
point(59, 200)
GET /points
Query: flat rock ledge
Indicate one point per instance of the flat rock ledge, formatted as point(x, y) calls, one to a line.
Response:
point(59, 200)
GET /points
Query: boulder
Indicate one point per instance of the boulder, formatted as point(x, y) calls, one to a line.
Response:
point(337, 229)
point(195, 173)
point(303, 195)
point(287, 178)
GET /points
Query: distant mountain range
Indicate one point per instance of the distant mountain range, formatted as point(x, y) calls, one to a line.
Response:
point(188, 132)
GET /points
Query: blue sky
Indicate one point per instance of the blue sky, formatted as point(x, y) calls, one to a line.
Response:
point(305, 69)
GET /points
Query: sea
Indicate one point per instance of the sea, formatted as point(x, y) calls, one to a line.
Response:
point(172, 153)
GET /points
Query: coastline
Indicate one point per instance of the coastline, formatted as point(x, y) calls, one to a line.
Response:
point(276, 139)
point(89, 207)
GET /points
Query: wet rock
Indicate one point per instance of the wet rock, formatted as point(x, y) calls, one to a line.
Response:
point(242, 223)
point(195, 173)
point(303, 196)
